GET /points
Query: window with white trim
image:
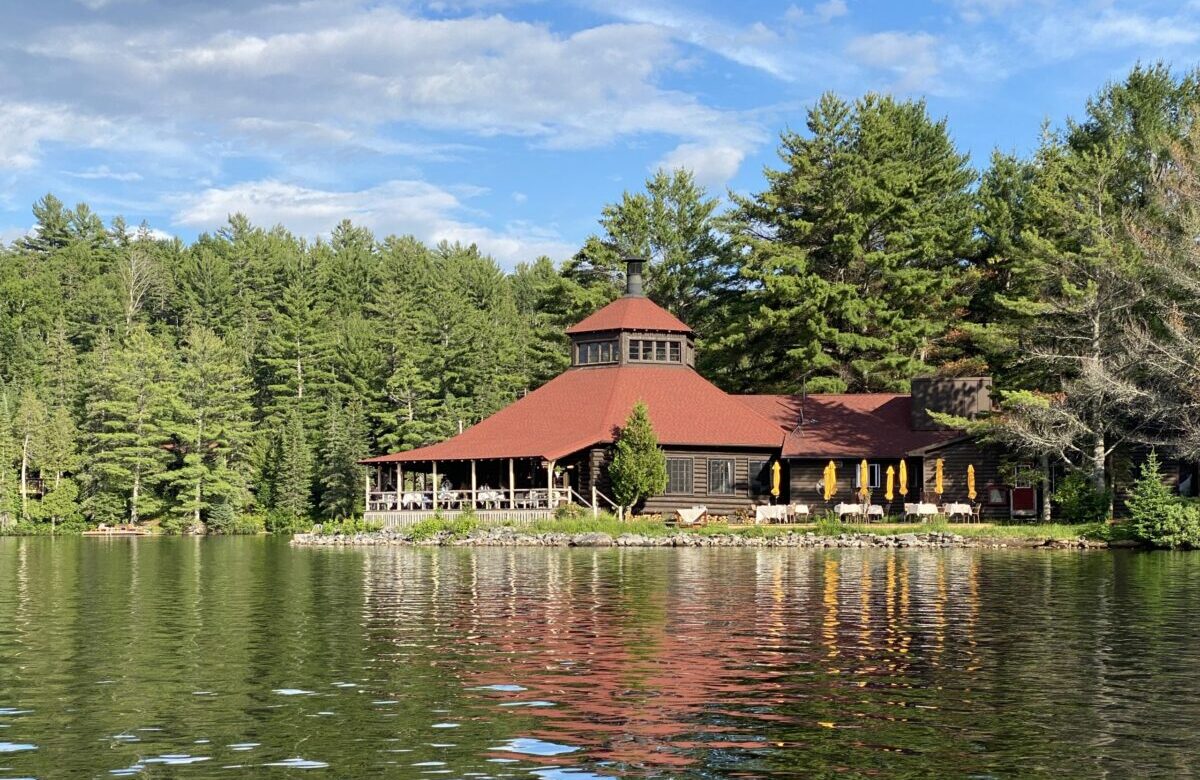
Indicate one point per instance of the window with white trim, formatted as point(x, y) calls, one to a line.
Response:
point(874, 473)
point(679, 476)
point(720, 476)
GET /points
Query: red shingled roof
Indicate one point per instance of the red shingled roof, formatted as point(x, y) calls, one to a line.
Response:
point(631, 313)
point(584, 406)
point(847, 425)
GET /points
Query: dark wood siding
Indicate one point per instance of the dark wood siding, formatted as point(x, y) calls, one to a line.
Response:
point(806, 474)
point(718, 505)
point(987, 460)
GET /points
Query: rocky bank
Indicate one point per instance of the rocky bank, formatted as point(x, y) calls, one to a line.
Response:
point(503, 536)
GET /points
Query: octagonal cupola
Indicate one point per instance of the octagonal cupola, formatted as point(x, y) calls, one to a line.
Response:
point(632, 330)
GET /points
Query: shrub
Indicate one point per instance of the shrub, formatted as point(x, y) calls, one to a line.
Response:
point(277, 522)
point(239, 525)
point(1078, 501)
point(457, 527)
point(1158, 517)
point(829, 525)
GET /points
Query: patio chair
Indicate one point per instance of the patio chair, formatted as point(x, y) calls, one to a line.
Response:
point(690, 518)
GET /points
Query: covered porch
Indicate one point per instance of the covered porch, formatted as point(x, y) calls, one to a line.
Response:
point(403, 492)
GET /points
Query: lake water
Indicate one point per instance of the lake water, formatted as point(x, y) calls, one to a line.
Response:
point(189, 658)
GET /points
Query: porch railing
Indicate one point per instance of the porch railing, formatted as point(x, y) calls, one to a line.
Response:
point(427, 500)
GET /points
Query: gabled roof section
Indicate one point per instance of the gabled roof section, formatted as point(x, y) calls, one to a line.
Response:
point(852, 425)
point(583, 407)
point(632, 312)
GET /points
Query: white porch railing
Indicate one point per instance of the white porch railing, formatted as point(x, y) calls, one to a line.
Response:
point(458, 500)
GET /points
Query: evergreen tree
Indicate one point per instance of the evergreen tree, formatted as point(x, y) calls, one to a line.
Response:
point(855, 252)
point(131, 410)
point(342, 478)
point(211, 435)
point(30, 428)
point(291, 491)
point(9, 493)
point(58, 458)
point(639, 468)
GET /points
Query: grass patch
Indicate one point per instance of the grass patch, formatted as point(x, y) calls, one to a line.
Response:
point(605, 523)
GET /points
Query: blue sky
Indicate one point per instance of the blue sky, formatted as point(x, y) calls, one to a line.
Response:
point(506, 123)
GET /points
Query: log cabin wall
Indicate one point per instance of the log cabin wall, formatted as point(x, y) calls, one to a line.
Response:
point(807, 474)
point(743, 497)
point(956, 456)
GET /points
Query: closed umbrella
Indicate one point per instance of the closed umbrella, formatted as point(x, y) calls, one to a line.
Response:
point(904, 478)
point(775, 469)
point(971, 482)
point(864, 479)
point(938, 480)
point(891, 483)
point(830, 480)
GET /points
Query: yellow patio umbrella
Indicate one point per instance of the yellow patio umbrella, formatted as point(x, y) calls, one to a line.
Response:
point(891, 483)
point(971, 481)
point(904, 478)
point(864, 479)
point(830, 480)
point(938, 480)
point(775, 469)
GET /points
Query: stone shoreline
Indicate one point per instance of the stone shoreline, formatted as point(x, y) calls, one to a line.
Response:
point(510, 537)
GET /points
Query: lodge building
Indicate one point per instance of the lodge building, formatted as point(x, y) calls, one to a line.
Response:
point(555, 443)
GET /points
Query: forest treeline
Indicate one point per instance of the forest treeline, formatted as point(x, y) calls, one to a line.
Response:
point(245, 373)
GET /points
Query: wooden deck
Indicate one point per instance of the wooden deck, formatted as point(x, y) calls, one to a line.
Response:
point(407, 517)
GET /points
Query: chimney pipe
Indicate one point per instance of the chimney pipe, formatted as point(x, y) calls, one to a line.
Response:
point(633, 277)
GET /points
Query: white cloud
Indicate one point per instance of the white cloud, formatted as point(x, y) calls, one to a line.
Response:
point(362, 70)
point(712, 165)
point(429, 212)
point(104, 172)
point(910, 57)
point(831, 9)
point(25, 126)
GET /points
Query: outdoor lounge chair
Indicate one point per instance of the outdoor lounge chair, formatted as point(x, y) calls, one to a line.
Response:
point(695, 516)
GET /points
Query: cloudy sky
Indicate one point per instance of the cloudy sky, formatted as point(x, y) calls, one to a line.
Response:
point(504, 123)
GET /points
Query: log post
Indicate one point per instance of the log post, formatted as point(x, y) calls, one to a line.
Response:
point(512, 485)
point(436, 487)
point(550, 484)
point(367, 490)
point(474, 493)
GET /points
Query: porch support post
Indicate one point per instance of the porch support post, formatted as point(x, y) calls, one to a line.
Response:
point(435, 486)
point(367, 490)
point(474, 494)
point(595, 506)
point(512, 485)
point(399, 481)
point(550, 484)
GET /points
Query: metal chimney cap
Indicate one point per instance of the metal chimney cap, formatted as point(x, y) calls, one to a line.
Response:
point(633, 277)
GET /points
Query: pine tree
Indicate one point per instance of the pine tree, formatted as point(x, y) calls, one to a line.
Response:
point(30, 428)
point(132, 406)
point(295, 353)
point(9, 493)
point(344, 444)
point(57, 459)
point(292, 485)
point(855, 252)
point(639, 468)
point(212, 433)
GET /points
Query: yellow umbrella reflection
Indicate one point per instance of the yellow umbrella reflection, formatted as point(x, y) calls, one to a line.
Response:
point(864, 479)
point(830, 480)
point(971, 482)
point(938, 478)
point(775, 469)
point(891, 483)
point(904, 478)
